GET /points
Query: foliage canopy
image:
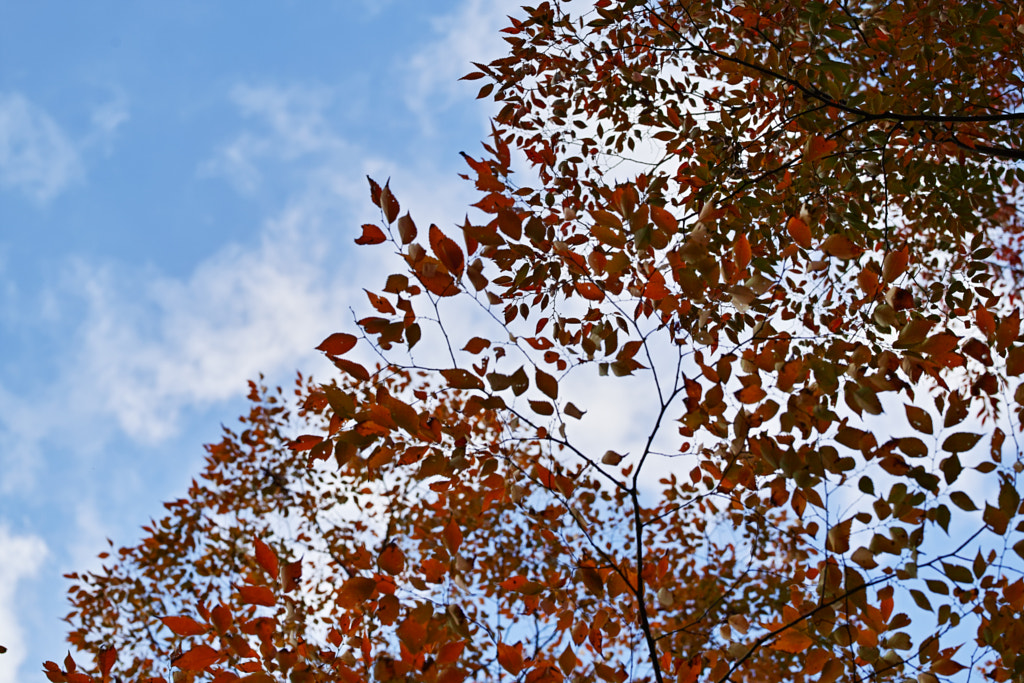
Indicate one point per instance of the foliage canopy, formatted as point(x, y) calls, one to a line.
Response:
point(796, 226)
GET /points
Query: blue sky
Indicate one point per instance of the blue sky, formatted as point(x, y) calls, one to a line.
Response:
point(180, 185)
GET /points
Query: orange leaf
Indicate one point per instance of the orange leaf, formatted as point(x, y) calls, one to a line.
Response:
point(664, 219)
point(589, 291)
point(841, 247)
point(741, 252)
point(895, 263)
point(337, 344)
point(305, 442)
point(371, 235)
point(838, 539)
point(799, 231)
point(352, 368)
point(184, 626)
point(818, 147)
point(792, 641)
point(511, 657)
point(656, 289)
point(197, 659)
point(266, 558)
point(257, 595)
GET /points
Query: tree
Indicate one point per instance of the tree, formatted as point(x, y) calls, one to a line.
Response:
point(798, 225)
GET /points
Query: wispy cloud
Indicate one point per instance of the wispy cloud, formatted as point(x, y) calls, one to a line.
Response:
point(290, 125)
point(470, 34)
point(23, 556)
point(37, 157)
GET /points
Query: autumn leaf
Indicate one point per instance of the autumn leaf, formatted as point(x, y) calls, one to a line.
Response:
point(799, 231)
point(371, 235)
point(741, 252)
point(841, 247)
point(391, 559)
point(447, 251)
point(184, 626)
point(197, 659)
point(337, 344)
point(406, 229)
point(818, 147)
point(257, 595)
point(458, 378)
point(511, 657)
point(266, 558)
point(791, 641)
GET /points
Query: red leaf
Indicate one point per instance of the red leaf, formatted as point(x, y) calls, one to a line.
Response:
point(257, 595)
point(371, 235)
point(452, 536)
point(197, 659)
point(476, 345)
point(305, 442)
point(266, 558)
point(435, 277)
point(106, 660)
point(184, 626)
point(447, 251)
point(655, 288)
point(391, 559)
point(337, 344)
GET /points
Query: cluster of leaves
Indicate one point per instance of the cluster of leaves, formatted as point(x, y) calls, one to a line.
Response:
point(797, 225)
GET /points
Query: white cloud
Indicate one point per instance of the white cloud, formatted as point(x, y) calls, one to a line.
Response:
point(23, 556)
point(150, 349)
point(295, 128)
point(471, 34)
point(106, 119)
point(36, 155)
